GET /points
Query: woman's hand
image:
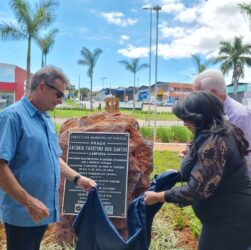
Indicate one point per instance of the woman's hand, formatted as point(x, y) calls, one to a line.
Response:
point(154, 197)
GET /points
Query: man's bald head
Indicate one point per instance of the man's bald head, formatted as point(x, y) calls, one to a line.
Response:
point(212, 81)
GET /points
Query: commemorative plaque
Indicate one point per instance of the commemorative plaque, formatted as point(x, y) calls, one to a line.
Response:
point(103, 157)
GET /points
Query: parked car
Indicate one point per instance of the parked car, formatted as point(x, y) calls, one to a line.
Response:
point(158, 103)
point(168, 104)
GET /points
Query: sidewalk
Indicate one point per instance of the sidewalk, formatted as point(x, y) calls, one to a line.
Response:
point(177, 147)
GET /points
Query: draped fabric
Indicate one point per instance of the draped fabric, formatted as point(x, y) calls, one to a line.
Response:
point(95, 231)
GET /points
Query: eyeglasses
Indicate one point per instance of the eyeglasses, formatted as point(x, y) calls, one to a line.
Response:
point(59, 94)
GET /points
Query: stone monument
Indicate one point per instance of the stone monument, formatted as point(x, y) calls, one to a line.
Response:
point(140, 162)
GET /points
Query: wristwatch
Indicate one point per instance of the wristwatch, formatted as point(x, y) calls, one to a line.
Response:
point(75, 180)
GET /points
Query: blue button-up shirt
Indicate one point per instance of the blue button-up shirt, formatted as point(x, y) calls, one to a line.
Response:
point(29, 143)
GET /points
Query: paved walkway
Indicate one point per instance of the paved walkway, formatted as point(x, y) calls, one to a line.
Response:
point(177, 147)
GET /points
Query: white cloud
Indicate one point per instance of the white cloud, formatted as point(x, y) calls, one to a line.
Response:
point(171, 6)
point(198, 29)
point(123, 39)
point(118, 19)
point(213, 21)
point(171, 32)
point(188, 15)
point(134, 52)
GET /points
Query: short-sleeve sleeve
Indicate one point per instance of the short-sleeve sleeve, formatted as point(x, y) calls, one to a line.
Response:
point(9, 136)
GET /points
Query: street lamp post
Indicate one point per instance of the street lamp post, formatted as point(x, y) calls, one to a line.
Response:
point(150, 60)
point(103, 83)
point(124, 94)
point(157, 9)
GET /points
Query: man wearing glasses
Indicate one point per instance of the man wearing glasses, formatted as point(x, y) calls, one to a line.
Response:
point(30, 162)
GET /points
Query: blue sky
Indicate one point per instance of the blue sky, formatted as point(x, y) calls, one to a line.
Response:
point(121, 29)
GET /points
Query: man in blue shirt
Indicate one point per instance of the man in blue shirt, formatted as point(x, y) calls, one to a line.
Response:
point(30, 162)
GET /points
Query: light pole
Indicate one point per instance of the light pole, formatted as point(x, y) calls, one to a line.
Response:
point(157, 9)
point(103, 82)
point(124, 94)
point(79, 93)
point(150, 59)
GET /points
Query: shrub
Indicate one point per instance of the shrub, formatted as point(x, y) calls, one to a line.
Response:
point(168, 134)
point(181, 134)
point(147, 132)
point(164, 134)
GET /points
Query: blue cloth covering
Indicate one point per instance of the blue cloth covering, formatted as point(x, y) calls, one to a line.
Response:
point(29, 143)
point(96, 232)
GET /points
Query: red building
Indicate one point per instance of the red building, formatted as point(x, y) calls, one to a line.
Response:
point(12, 84)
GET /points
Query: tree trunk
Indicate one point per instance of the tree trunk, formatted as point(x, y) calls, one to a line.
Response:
point(134, 76)
point(235, 81)
point(235, 87)
point(27, 85)
point(91, 108)
point(42, 64)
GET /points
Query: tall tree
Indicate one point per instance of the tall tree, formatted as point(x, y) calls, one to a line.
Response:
point(83, 93)
point(199, 64)
point(134, 66)
point(90, 59)
point(46, 43)
point(245, 8)
point(234, 56)
point(30, 20)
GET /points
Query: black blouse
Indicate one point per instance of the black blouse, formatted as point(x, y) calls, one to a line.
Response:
point(205, 175)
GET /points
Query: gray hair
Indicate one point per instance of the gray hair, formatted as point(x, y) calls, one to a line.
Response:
point(211, 79)
point(48, 74)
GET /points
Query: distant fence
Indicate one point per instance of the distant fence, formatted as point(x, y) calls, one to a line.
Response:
point(129, 105)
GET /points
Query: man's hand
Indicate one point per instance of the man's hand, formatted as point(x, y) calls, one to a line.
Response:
point(37, 210)
point(83, 182)
point(152, 198)
point(86, 183)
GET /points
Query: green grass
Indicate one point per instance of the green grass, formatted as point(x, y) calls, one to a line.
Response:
point(164, 160)
point(71, 103)
point(140, 115)
point(64, 113)
point(57, 126)
point(171, 219)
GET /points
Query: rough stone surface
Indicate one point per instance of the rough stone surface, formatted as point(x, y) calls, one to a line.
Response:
point(140, 161)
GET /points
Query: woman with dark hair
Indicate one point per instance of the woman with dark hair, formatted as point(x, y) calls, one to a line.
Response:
point(217, 184)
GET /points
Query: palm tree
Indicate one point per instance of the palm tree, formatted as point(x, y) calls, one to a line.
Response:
point(234, 56)
point(200, 66)
point(90, 60)
point(29, 22)
point(134, 66)
point(45, 43)
point(245, 8)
